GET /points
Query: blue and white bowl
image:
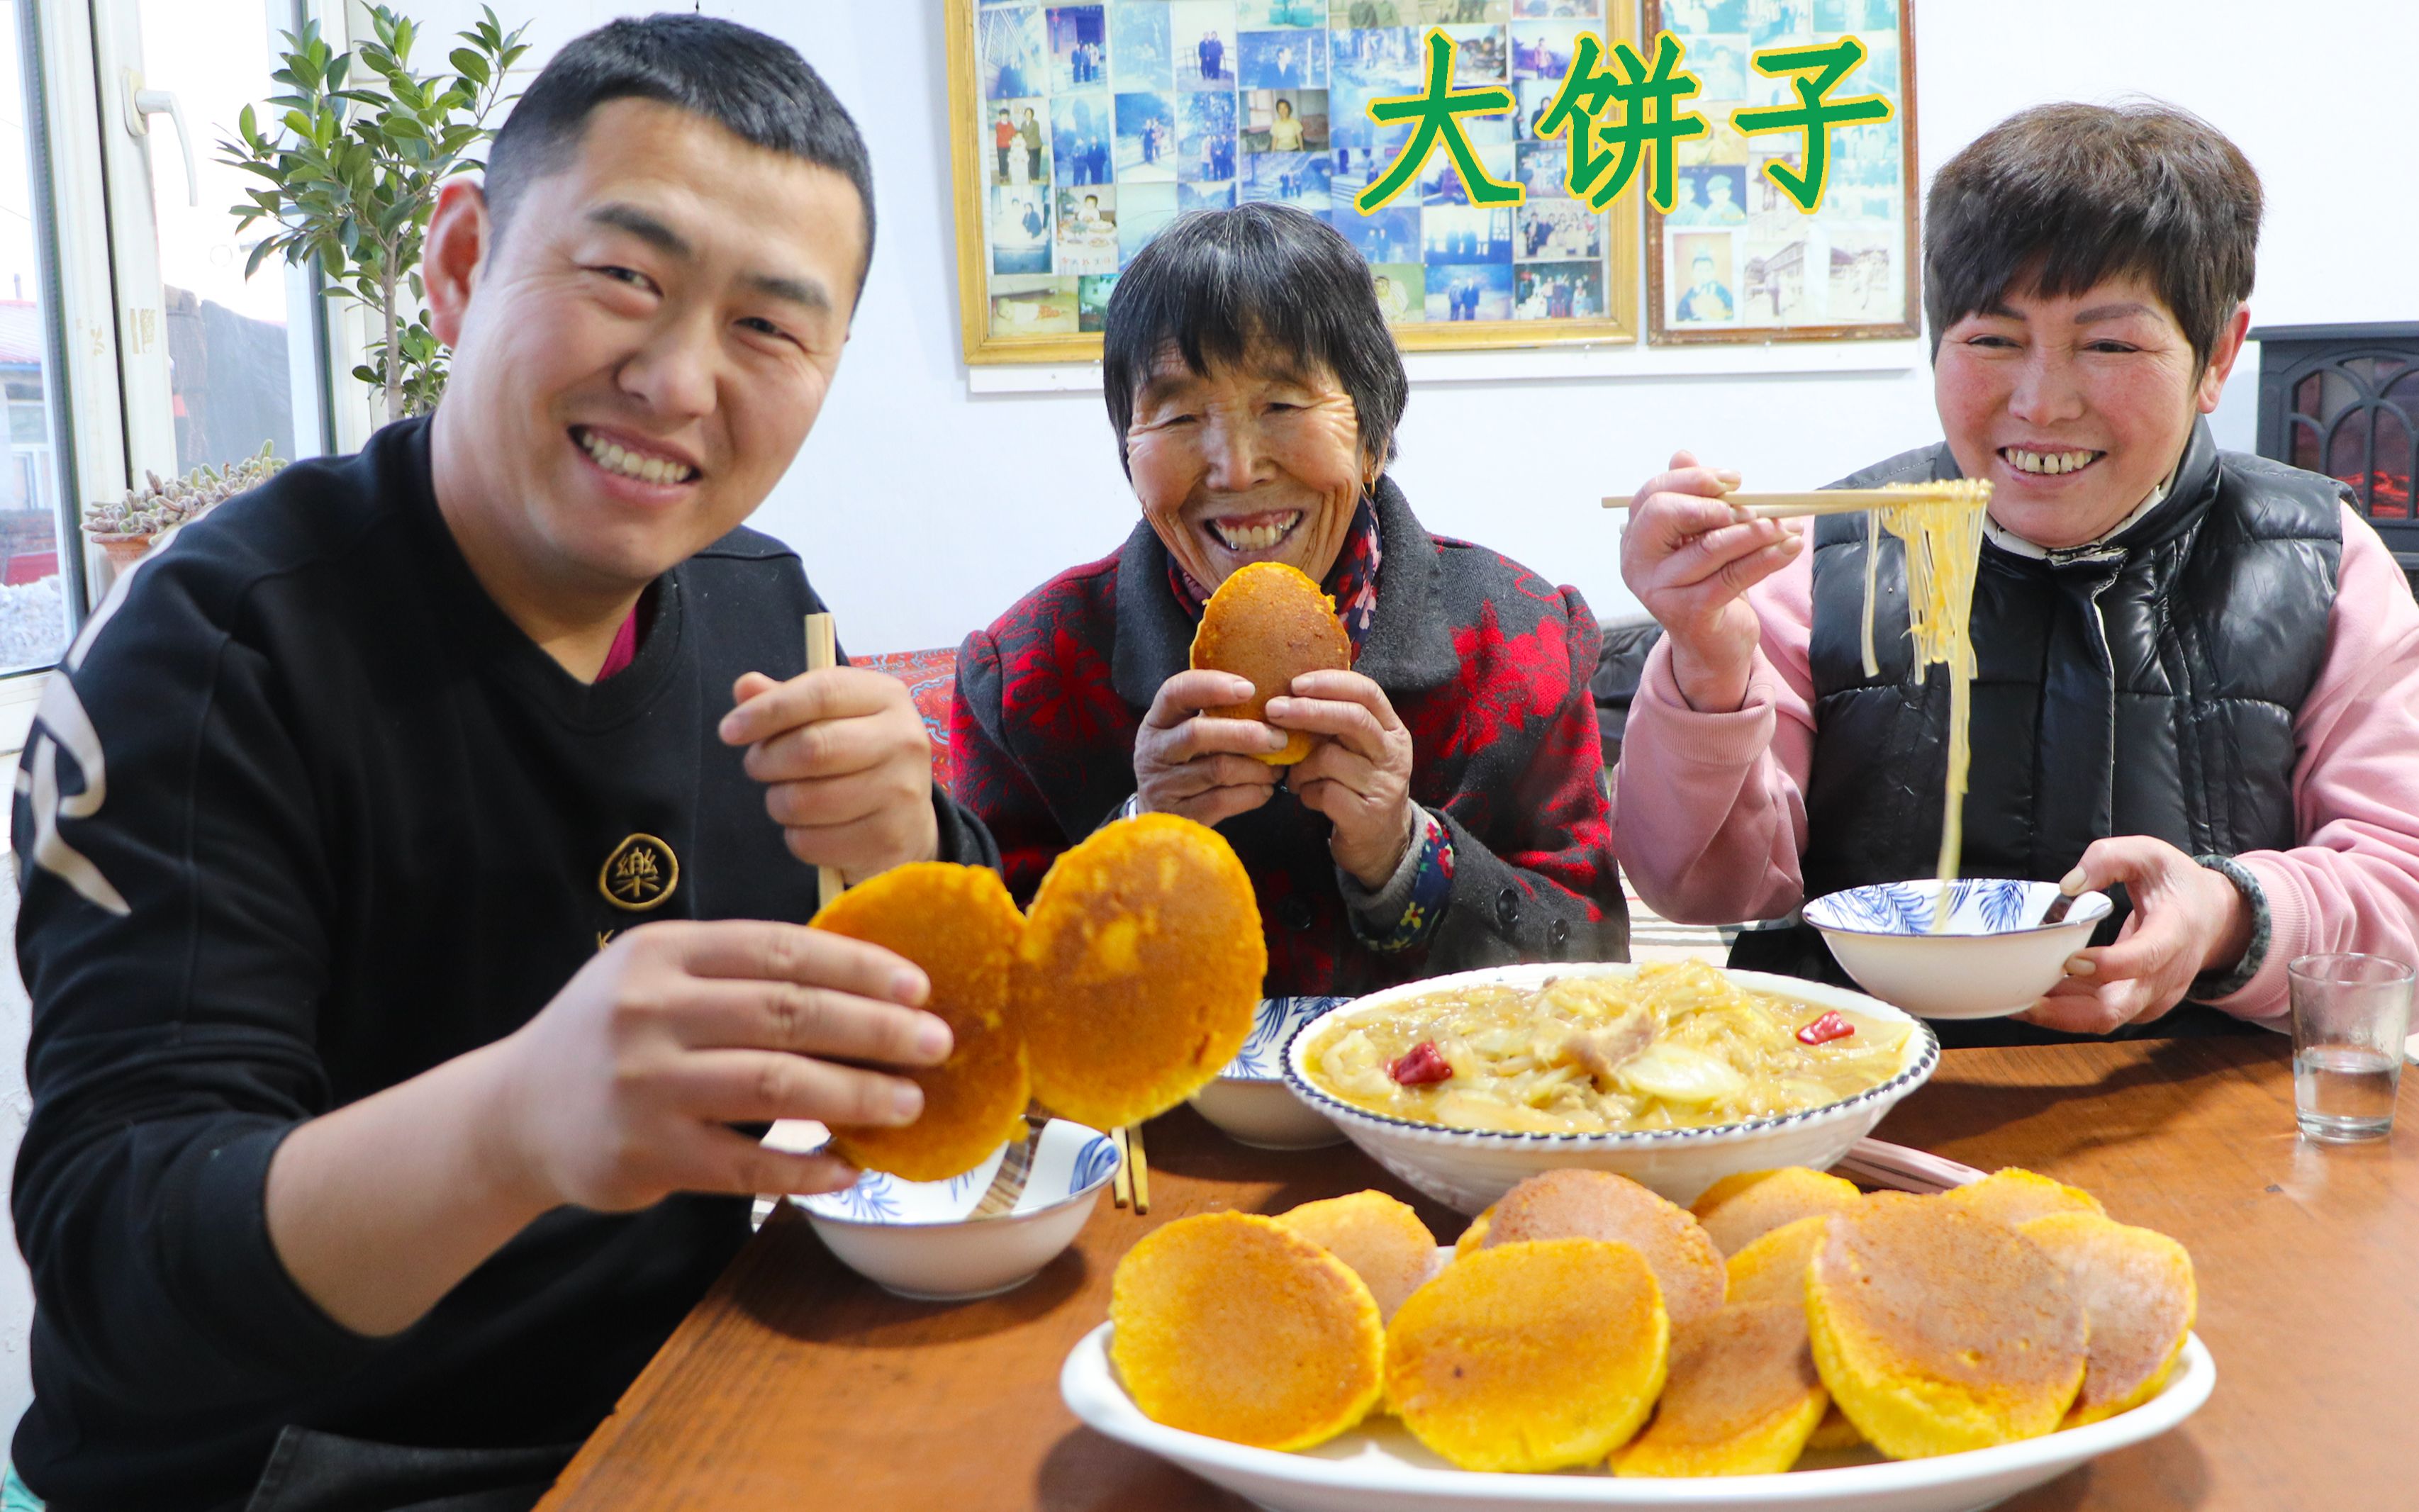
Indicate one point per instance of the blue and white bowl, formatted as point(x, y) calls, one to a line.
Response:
point(1249, 1100)
point(1994, 956)
point(1469, 1168)
point(975, 1234)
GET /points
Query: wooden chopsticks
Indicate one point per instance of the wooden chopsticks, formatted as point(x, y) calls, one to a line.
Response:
point(1131, 1186)
point(823, 651)
point(1897, 1168)
point(1838, 500)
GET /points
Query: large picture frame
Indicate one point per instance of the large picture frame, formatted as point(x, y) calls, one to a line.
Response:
point(1118, 112)
point(1730, 267)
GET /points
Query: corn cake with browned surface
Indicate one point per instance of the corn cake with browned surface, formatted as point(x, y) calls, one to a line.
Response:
point(1742, 1396)
point(1738, 1210)
point(1530, 1356)
point(958, 923)
point(1139, 970)
point(1379, 1237)
point(1576, 1204)
point(2136, 1289)
point(1937, 1331)
point(1268, 622)
point(1230, 1325)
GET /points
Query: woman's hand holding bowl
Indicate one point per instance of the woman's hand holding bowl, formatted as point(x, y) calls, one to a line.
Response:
point(1690, 560)
point(2186, 919)
point(1360, 775)
point(1200, 766)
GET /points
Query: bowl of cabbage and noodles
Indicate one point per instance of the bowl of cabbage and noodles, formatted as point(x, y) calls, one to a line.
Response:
point(1673, 1075)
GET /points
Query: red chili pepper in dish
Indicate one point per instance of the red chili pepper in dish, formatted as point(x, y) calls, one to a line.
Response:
point(1823, 1030)
point(1423, 1065)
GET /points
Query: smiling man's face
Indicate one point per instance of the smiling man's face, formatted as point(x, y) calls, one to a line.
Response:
point(642, 354)
point(2074, 407)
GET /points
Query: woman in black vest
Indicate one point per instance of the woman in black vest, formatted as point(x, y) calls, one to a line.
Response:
point(2198, 670)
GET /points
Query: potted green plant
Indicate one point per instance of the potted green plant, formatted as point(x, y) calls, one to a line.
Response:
point(361, 145)
point(124, 529)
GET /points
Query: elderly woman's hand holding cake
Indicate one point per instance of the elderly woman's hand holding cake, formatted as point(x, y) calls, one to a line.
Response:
point(1394, 729)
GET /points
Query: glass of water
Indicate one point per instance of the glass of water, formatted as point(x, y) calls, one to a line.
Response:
point(2351, 1013)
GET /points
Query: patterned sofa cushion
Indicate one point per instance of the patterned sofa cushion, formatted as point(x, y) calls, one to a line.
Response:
point(932, 679)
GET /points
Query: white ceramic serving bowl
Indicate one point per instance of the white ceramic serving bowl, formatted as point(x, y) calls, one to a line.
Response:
point(1249, 1100)
point(1996, 957)
point(1469, 1168)
point(987, 1231)
point(1379, 1467)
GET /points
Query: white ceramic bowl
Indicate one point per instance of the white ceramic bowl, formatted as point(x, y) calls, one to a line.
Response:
point(1379, 1467)
point(1249, 1100)
point(987, 1231)
point(1469, 1168)
point(1996, 957)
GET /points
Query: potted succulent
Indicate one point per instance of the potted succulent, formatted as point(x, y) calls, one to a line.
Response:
point(126, 527)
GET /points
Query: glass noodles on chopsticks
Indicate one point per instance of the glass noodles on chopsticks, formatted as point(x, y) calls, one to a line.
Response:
point(1941, 527)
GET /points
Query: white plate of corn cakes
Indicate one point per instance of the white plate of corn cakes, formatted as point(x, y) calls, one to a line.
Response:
point(1790, 1342)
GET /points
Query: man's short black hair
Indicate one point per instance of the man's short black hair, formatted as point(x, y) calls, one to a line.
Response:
point(1219, 286)
point(755, 86)
point(2059, 198)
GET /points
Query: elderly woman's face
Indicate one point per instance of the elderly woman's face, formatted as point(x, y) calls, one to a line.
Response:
point(1255, 462)
point(2075, 407)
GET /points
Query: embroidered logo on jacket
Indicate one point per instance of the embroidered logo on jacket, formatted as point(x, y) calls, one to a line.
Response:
point(641, 873)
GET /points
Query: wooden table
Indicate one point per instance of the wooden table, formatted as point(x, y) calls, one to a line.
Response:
point(796, 1384)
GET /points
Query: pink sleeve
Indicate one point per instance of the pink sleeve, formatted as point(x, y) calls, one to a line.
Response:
point(1708, 811)
point(2352, 883)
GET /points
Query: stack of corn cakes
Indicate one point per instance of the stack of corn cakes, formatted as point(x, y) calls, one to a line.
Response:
point(1583, 1321)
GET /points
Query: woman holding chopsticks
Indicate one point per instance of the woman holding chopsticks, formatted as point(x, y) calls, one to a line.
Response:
point(2198, 670)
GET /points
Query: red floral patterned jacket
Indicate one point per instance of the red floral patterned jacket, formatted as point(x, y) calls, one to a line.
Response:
point(1488, 665)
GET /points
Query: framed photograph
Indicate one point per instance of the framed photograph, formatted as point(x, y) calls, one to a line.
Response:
point(1736, 259)
point(1080, 131)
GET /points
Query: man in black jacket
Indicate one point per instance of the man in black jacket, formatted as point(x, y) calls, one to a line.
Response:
point(397, 843)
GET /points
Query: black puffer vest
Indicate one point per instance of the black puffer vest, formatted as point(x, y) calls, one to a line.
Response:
point(2146, 687)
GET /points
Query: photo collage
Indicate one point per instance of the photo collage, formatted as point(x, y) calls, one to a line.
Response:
point(1736, 254)
point(1098, 124)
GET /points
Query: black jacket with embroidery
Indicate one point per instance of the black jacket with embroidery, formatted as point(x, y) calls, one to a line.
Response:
point(303, 816)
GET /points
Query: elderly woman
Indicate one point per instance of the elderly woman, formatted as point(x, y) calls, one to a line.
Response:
point(1452, 812)
point(2198, 670)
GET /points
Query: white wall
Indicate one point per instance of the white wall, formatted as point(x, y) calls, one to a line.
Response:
point(923, 510)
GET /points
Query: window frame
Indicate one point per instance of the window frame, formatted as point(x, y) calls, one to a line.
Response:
point(111, 411)
point(86, 409)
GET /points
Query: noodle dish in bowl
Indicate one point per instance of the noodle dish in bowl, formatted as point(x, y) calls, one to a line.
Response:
point(2001, 944)
point(1672, 1076)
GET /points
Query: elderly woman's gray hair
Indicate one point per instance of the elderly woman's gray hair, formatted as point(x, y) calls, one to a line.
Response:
point(1261, 284)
